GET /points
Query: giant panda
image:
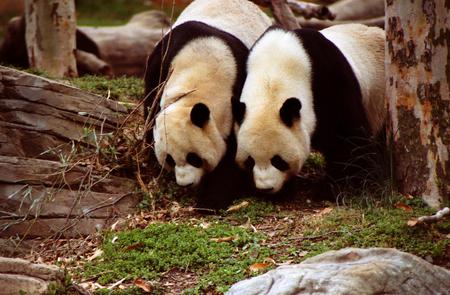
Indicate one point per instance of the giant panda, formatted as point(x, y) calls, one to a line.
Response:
point(193, 76)
point(310, 89)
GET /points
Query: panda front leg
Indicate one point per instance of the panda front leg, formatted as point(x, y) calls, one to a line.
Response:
point(221, 187)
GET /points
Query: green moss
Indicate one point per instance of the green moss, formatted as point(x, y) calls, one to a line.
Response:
point(256, 210)
point(377, 227)
point(117, 12)
point(315, 161)
point(107, 12)
point(121, 88)
point(164, 246)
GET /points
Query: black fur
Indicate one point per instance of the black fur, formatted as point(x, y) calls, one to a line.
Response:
point(199, 115)
point(225, 183)
point(239, 112)
point(342, 129)
point(220, 186)
point(158, 63)
point(290, 111)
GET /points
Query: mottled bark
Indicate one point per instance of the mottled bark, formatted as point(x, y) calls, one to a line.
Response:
point(50, 36)
point(418, 74)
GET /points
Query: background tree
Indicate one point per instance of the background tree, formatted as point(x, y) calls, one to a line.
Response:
point(417, 77)
point(50, 36)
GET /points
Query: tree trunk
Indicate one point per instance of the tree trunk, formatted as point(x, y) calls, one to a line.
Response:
point(417, 77)
point(50, 36)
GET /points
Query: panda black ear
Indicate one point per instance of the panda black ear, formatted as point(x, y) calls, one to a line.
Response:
point(199, 115)
point(290, 111)
point(239, 112)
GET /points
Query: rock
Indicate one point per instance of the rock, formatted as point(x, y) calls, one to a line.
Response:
point(41, 195)
point(351, 271)
point(19, 276)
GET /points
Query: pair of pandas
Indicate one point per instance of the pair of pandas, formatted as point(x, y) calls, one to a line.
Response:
point(240, 103)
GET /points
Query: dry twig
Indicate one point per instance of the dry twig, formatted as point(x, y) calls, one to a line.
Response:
point(441, 214)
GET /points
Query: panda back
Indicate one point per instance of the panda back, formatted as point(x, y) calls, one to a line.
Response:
point(363, 47)
point(240, 18)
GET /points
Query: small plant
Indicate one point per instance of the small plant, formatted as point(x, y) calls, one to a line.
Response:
point(254, 211)
point(376, 227)
point(219, 253)
point(120, 88)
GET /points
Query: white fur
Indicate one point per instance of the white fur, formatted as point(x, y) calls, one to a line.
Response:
point(262, 134)
point(203, 71)
point(187, 175)
point(241, 18)
point(363, 47)
point(279, 68)
point(268, 178)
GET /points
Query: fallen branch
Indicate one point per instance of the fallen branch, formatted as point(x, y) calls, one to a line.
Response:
point(301, 8)
point(284, 15)
point(322, 24)
point(88, 63)
point(310, 10)
point(430, 219)
point(434, 218)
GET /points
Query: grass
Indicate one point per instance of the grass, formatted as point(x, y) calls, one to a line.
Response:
point(377, 227)
point(107, 13)
point(116, 12)
point(188, 245)
point(161, 247)
point(119, 88)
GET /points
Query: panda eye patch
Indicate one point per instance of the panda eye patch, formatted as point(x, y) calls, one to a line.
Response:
point(249, 163)
point(170, 161)
point(279, 163)
point(194, 160)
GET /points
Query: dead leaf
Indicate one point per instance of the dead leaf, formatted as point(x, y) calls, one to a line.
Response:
point(248, 225)
point(238, 207)
point(256, 267)
point(270, 260)
point(134, 246)
point(204, 225)
point(287, 262)
point(140, 283)
point(302, 253)
point(403, 207)
point(221, 240)
point(324, 211)
point(412, 222)
point(96, 254)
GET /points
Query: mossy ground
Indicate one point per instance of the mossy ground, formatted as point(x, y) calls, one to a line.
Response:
point(263, 233)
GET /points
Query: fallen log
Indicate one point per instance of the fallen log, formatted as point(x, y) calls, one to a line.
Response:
point(43, 192)
point(126, 47)
point(357, 10)
point(322, 24)
point(118, 50)
point(37, 114)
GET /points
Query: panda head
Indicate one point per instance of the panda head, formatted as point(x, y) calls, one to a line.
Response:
point(187, 141)
point(275, 117)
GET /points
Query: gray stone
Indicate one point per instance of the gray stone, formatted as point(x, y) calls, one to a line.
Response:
point(19, 275)
point(351, 271)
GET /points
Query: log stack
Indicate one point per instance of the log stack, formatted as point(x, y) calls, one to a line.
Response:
point(42, 192)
